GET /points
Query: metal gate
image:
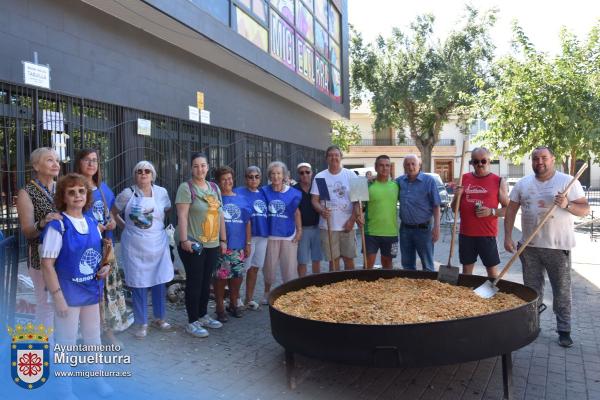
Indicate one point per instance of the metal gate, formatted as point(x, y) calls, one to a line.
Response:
point(28, 115)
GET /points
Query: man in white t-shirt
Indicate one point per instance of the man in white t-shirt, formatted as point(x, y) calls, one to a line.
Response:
point(341, 211)
point(550, 249)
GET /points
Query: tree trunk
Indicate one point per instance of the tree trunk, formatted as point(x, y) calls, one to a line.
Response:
point(426, 151)
point(573, 163)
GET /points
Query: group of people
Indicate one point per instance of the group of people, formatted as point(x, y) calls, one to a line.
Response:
point(225, 233)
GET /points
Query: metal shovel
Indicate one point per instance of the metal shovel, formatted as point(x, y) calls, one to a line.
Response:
point(489, 289)
point(447, 273)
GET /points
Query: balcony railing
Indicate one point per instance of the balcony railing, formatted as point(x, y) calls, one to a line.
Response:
point(397, 142)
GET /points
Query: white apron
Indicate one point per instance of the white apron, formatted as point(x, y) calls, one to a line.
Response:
point(144, 244)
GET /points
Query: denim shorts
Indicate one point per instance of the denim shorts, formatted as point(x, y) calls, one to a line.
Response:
point(309, 248)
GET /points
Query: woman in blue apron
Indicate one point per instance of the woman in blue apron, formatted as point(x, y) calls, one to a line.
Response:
point(114, 315)
point(145, 246)
point(70, 254)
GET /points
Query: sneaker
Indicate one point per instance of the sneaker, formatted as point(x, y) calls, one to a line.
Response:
point(265, 301)
point(141, 331)
point(564, 339)
point(252, 305)
point(240, 303)
point(208, 322)
point(196, 330)
point(162, 325)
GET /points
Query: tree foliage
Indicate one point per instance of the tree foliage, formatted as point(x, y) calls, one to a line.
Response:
point(344, 135)
point(416, 82)
point(539, 100)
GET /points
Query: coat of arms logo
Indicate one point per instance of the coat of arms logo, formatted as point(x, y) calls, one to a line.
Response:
point(30, 355)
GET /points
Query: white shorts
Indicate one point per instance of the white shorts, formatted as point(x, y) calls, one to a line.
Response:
point(257, 254)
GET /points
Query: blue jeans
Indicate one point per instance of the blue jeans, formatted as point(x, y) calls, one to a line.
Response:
point(415, 241)
point(140, 303)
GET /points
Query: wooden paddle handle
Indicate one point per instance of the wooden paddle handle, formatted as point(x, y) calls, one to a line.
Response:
point(329, 235)
point(362, 234)
point(539, 226)
point(457, 203)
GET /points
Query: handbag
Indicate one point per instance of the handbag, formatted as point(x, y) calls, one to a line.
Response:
point(108, 252)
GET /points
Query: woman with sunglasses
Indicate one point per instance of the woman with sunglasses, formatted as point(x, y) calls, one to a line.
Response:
point(260, 232)
point(70, 254)
point(201, 237)
point(35, 207)
point(114, 314)
point(145, 246)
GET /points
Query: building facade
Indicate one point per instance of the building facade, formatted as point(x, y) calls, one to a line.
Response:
point(446, 153)
point(245, 81)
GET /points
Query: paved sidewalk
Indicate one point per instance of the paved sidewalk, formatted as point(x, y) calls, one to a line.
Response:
point(243, 361)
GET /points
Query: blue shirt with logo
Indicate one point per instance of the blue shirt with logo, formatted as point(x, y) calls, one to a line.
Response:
point(417, 198)
point(258, 205)
point(281, 208)
point(97, 210)
point(237, 213)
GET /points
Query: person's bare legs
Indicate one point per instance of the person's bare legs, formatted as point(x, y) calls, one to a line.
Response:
point(301, 270)
point(251, 277)
point(371, 260)
point(234, 291)
point(334, 265)
point(219, 286)
point(316, 267)
point(387, 262)
point(468, 269)
point(348, 263)
point(492, 272)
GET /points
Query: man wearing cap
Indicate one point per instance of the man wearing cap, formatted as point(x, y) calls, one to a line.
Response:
point(309, 247)
point(340, 211)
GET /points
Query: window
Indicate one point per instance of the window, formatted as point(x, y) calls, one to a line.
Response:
point(251, 30)
point(304, 22)
point(285, 8)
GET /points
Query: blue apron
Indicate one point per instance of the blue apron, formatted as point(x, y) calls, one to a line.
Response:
point(78, 262)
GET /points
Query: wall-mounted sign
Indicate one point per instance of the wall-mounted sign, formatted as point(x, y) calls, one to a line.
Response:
point(59, 144)
point(205, 117)
point(282, 41)
point(194, 113)
point(306, 60)
point(200, 100)
point(36, 74)
point(53, 121)
point(144, 127)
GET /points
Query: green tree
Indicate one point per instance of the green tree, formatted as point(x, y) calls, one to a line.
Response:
point(344, 135)
point(417, 82)
point(541, 100)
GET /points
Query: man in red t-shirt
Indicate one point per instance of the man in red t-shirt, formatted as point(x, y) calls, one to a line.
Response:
point(482, 192)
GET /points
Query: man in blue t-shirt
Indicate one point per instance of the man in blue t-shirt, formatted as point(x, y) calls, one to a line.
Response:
point(419, 205)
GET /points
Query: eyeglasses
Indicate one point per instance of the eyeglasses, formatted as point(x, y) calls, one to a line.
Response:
point(253, 176)
point(143, 171)
point(305, 172)
point(477, 162)
point(90, 161)
point(73, 192)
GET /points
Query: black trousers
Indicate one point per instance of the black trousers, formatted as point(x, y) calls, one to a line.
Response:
point(198, 271)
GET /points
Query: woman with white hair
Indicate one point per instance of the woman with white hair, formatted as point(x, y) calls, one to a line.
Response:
point(35, 207)
point(285, 226)
point(145, 245)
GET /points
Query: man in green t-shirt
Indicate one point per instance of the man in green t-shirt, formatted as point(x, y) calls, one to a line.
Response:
point(381, 219)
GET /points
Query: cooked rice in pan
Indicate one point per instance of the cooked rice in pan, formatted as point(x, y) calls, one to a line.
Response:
point(390, 301)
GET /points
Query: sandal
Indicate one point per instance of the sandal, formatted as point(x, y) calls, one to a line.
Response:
point(235, 312)
point(162, 325)
point(222, 317)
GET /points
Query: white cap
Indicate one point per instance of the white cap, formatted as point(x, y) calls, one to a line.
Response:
point(303, 164)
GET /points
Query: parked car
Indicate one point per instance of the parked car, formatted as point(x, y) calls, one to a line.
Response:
point(444, 196)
